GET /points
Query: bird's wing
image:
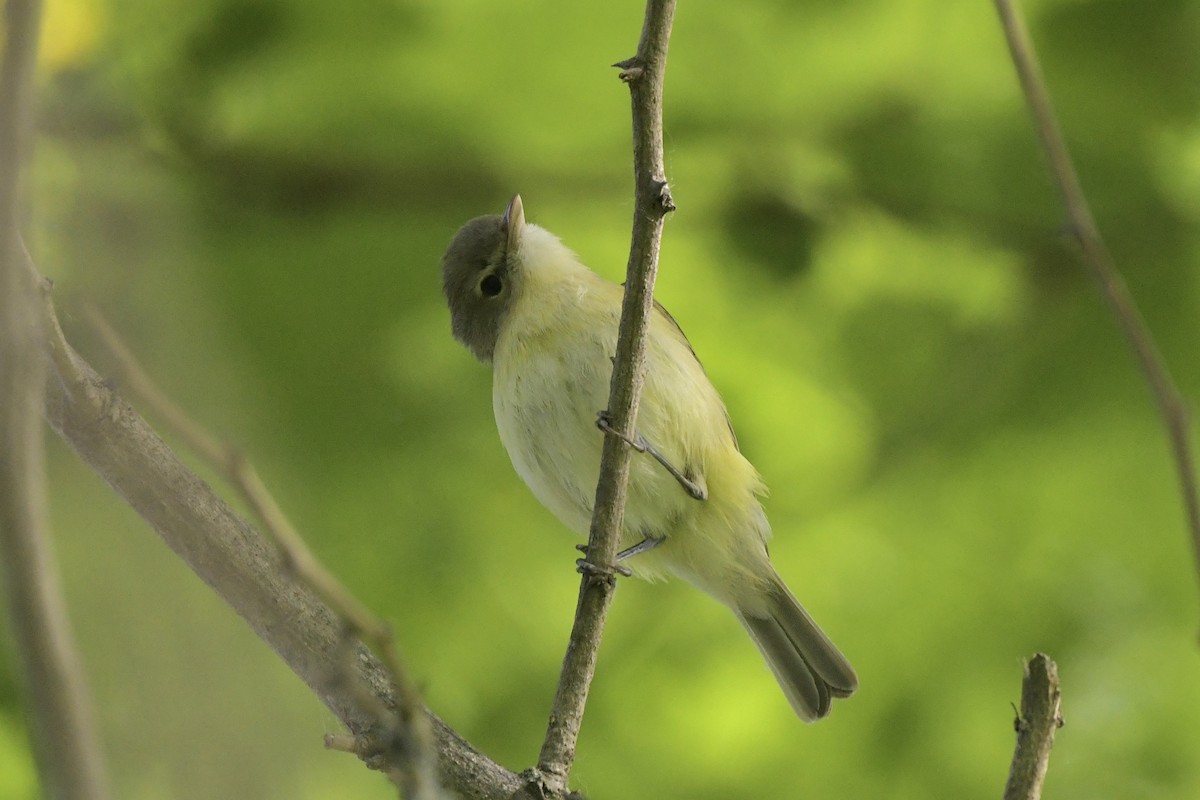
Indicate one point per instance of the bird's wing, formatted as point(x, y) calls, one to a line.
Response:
point(666, 315)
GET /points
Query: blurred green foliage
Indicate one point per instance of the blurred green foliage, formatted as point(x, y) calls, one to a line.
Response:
point(966, 466)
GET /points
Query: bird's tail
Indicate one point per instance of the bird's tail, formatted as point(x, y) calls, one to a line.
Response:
point(809, 667)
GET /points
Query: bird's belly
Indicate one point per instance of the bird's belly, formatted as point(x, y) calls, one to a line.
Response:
point(546, 414)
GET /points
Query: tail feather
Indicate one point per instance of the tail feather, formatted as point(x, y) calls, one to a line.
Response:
point(808, 696)
point(808, 666)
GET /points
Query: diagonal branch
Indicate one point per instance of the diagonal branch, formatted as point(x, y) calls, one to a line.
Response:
point(1099, 261)
point(406, 733)
point(243, 568)
point(652, 201)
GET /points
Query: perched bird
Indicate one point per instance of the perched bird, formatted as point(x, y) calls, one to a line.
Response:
point(523, 303)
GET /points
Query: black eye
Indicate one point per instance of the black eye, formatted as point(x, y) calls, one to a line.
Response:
point(490, 285)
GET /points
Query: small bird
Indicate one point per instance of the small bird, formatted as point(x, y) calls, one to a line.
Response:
point(523, 303)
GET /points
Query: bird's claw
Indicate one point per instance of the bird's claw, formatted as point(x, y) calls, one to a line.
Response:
point(586, 567)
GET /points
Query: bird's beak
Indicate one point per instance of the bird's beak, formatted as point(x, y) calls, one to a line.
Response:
point(514, 223)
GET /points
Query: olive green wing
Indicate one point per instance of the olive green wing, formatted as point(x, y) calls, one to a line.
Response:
point(666, 315)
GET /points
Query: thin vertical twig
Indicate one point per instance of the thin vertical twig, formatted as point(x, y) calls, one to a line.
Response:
point(644, 74)
point(63, 730)
point(1039, 719)
point(1099, 261)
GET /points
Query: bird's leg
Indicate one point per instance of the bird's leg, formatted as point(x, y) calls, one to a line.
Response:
point(694, 490)
point(645, 545)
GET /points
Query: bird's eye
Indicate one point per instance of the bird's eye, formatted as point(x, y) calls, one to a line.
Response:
point(490, 285)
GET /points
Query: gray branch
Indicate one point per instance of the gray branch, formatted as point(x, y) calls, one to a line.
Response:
point(1099, 261)
point(241, 566)
point(1040, 718)
point(644, 74)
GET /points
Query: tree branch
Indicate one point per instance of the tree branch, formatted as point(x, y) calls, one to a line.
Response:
point(652, 200)
point(1040, 718)
point(1099, 261)
point(407, 733)
point(241, 566)
point(63, 731)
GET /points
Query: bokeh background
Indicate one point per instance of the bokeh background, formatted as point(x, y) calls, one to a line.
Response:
point(868, 255)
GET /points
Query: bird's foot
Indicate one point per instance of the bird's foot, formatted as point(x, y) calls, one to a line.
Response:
point(583, 566)
point(645, 545)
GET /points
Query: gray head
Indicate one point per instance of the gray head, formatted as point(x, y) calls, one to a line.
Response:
point(477, 276)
